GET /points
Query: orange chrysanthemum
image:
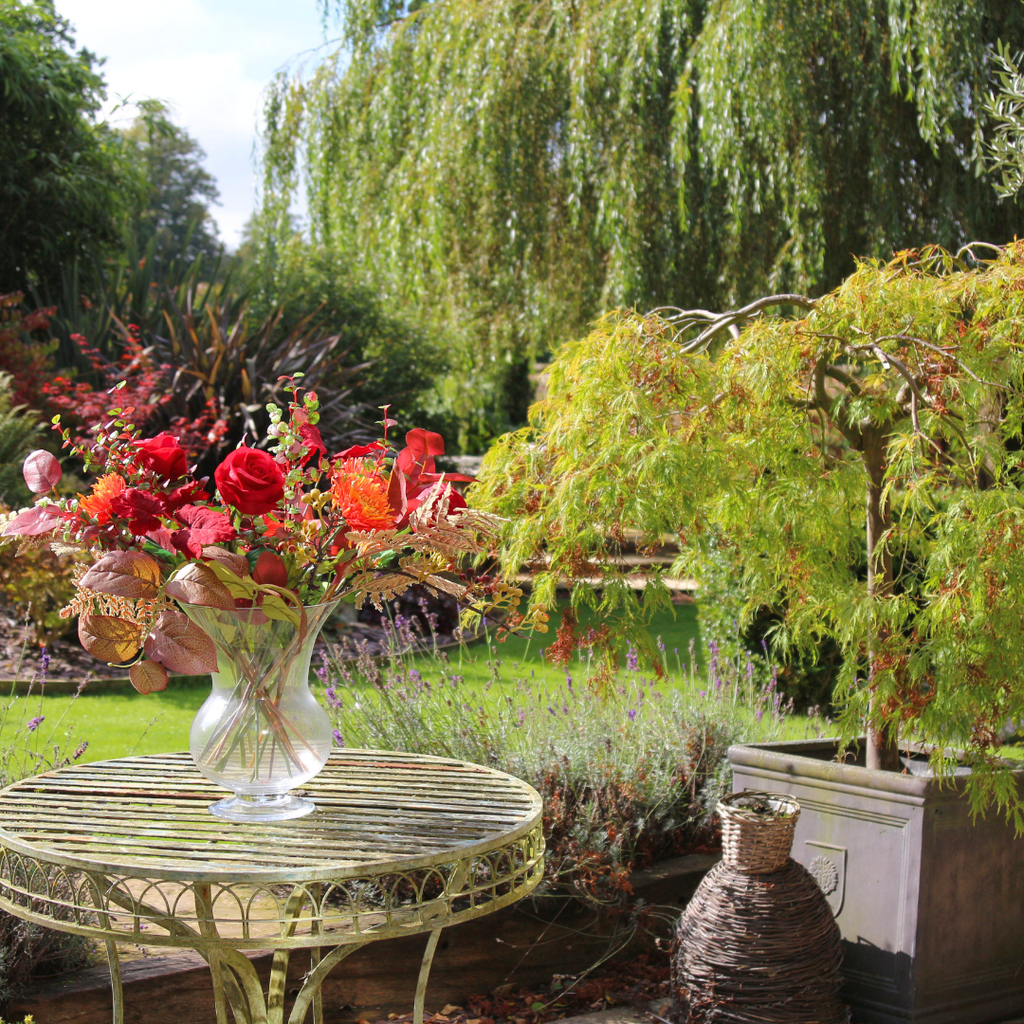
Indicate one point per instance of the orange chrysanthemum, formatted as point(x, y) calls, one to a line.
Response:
point(103, 492)
point(362, 497)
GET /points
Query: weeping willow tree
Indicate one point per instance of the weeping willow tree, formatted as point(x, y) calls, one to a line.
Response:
point(513, 169)
point(864, 457)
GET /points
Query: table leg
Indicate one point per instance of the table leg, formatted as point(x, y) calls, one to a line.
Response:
point(235, 981)
point(116, 989)
point(311, 986)
point(421, 983)
point(316, 894)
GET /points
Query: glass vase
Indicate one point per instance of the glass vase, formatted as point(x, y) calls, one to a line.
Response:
point(261, 732)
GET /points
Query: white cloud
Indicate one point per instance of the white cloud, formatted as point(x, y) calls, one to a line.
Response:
point(211, 61)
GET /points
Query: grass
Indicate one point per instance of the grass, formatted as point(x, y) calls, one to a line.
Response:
point(126, 723)
point(113, 724)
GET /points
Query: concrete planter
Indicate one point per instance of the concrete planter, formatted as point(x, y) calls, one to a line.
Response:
point(928, 902)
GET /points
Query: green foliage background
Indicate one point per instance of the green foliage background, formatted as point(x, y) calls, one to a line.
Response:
point(66, 180)
point(511, 170)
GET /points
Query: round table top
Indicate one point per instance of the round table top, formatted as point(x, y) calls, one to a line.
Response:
point(148, 817)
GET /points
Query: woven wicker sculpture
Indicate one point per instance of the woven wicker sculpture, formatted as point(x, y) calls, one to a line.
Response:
point(758, 943)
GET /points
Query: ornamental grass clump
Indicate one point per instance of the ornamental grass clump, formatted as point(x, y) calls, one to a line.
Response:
point(629, 768)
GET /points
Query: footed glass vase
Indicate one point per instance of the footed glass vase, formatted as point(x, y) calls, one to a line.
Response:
point(261, 732)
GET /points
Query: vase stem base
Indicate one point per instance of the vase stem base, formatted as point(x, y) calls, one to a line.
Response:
point(279, 807)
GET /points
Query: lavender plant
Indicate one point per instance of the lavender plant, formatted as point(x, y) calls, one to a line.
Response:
point(32, 744)
point(630, 770)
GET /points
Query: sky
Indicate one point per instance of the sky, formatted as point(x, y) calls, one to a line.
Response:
point(210, 60)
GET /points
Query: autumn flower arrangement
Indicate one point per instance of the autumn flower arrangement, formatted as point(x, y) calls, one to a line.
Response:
point(279, 530)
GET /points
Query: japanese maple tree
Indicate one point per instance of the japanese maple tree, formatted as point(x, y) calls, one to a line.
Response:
point(864, 456)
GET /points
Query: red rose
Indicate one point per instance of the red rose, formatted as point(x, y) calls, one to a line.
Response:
point(164, 455)
point(250, 480)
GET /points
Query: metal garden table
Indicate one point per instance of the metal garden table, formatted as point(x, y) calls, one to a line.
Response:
point(126, 850)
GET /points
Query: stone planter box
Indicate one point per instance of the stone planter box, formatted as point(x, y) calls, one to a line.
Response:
point(928, 902)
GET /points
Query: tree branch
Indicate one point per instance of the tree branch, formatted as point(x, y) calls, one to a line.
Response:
point(685, 319)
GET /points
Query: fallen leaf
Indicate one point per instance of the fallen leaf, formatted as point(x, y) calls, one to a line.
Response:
point(449, 1009)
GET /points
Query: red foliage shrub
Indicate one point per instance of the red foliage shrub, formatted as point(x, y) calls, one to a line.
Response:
point(145, 391)
point(24, 357)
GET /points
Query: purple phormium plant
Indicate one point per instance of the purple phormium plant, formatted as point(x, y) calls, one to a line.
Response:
point(34, 723)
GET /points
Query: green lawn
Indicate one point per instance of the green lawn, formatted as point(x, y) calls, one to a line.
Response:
point(119, 724)
point(114, 724)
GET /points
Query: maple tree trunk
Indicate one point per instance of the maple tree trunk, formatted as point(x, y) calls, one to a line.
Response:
point(882, 745)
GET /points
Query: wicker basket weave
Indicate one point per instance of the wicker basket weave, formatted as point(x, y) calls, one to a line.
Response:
point(757, 830)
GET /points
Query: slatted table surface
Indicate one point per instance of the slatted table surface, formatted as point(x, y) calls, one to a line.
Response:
point(398, 843)
point(374, 808)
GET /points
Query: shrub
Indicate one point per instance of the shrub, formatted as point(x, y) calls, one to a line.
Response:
point(807, 678)
point(19, 433)
point(36, 581)
point(629, 775)
point(207, 378)
point(24, 356)
point(399, 362)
